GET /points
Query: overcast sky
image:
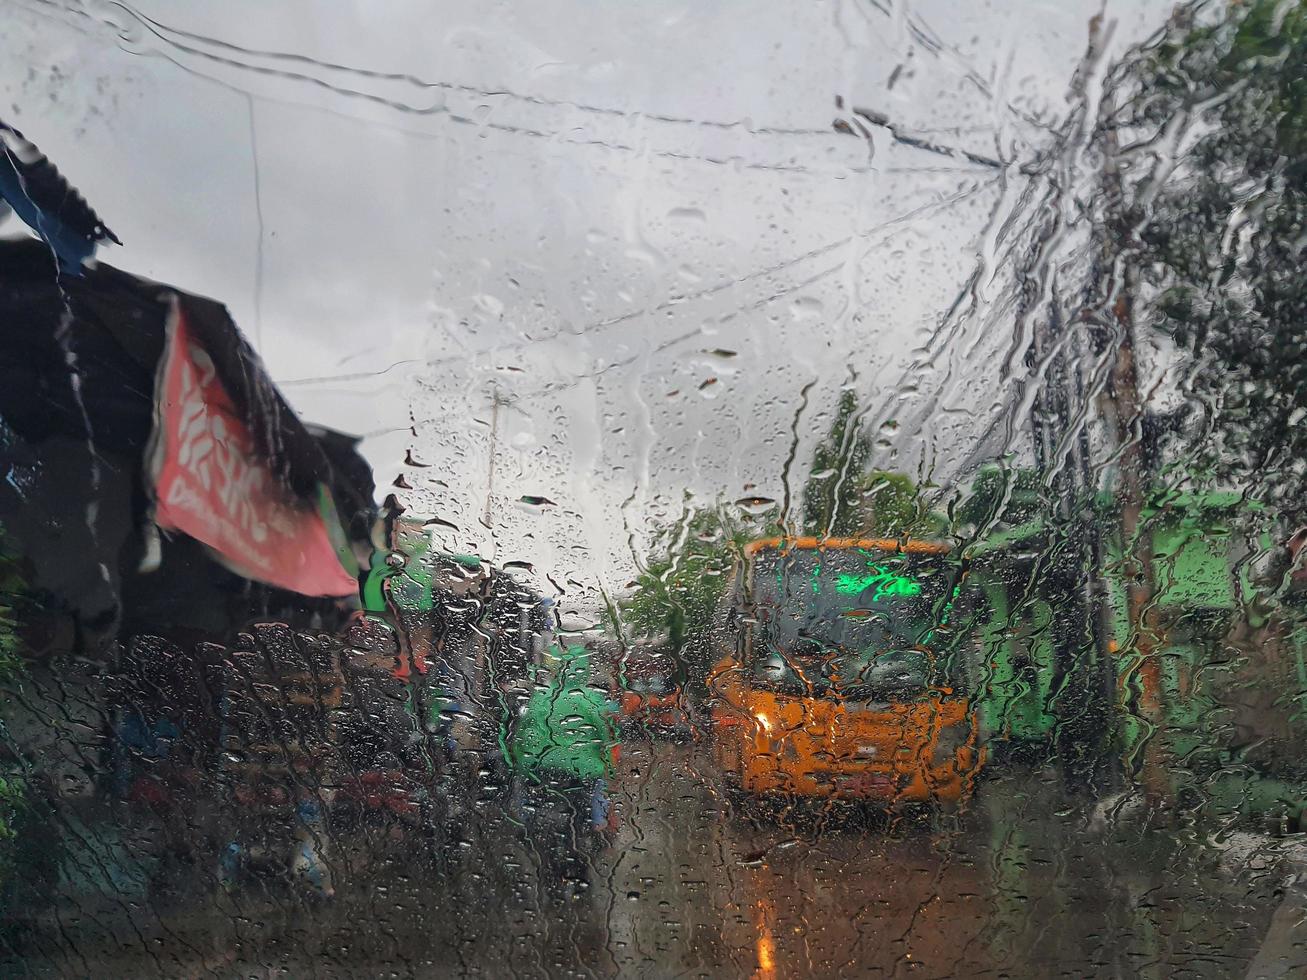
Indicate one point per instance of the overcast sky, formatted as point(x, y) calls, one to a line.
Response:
point(571, 206)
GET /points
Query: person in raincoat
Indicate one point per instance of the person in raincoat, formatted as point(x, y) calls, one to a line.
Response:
point(402, 581)
point(566, 737)
point(400, 587)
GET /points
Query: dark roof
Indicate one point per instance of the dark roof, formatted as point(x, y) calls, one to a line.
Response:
point(116, 335)
point(355, 485)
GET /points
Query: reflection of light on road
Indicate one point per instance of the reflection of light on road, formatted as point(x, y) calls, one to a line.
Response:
point(766, 945)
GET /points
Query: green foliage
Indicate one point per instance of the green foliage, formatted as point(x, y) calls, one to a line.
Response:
point(1002, 496)
point(679, 591)
point(893, 505)
point(832, 495)
point(12, 592)
point(12, 813)
point(678, 594)
point(1223, 236)
point(11, 799)
point(12, 589)
point(842, 499)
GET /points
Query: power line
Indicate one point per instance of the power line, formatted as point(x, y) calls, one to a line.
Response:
point(169, 35)
point(715, 289)
point(557, 386)
point(562, 137)
point(418, 82)
point(725, 285)
point(354, 376)
point(901, 136)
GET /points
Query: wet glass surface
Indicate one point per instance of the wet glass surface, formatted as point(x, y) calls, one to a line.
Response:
point(733, 490)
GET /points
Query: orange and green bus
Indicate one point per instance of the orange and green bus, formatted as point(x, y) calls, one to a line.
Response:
point(847, 673)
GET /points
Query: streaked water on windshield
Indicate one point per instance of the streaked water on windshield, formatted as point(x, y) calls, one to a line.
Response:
point(742, 490)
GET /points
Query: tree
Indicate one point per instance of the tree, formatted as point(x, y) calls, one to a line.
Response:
point(12, 596)
point(1002, 496)
point(680, 589)
point(841, 498)
point(1222, 237)
point(832, 495)
point(678, 594)
point(893, 505)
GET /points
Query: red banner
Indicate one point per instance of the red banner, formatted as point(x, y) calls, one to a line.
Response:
point(211, 484)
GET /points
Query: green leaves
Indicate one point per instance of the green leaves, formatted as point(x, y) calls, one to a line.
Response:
point(12, 591)
point(841, 498)
point(1002, 495)
point(1224, 234)
point(679, 593)
point(680, 589)
point(893, 505)
point(832, 495)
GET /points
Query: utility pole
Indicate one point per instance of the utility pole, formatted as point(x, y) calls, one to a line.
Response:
point(1123, 408)
point(1060, 433)
point(495, 402)
point(1109, 303)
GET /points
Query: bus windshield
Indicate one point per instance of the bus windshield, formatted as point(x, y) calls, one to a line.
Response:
point(853, 623)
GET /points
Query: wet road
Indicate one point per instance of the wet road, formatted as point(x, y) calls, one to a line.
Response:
point(1030, 883)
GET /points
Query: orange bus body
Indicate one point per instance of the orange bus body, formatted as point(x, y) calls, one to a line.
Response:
point(923, 749)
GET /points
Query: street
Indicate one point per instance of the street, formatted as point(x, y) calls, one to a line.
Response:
point(1026, 884)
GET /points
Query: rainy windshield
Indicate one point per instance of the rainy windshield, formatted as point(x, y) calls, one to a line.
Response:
point(750, 489)
point(648, 676)
point(852, 623)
